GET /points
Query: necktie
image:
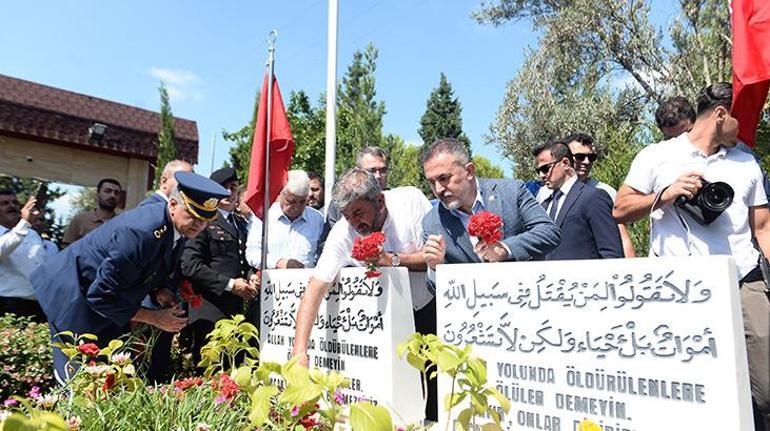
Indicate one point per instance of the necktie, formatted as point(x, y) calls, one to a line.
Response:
point(554, 203)
point(233, 221)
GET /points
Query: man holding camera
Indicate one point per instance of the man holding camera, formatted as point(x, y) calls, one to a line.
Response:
point(667, 180)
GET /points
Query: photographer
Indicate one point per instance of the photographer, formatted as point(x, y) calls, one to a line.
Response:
point(665, 182)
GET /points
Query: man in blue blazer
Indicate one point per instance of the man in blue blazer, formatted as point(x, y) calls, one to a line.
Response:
point(583, 213)
point(97, 284)
point(528, 233)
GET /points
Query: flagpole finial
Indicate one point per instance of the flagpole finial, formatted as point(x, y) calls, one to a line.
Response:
point(271, 37)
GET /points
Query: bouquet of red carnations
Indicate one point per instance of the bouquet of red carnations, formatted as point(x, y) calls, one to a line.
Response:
point(486, 226)
point(368, 248)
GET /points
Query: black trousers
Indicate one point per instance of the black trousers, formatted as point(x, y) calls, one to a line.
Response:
point(22, 307)
point(425, 323)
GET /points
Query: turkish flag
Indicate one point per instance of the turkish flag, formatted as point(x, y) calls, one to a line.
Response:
point(751, 63)
point(281, 150)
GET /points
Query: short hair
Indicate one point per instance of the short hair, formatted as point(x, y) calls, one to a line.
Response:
point(582, 138)
point(558, 149)
point(719, 94)
point(674, 110)
point(446, 145)
point(175, 165)
point(298, 183)
point(315, 176)
point(107, 180)
point(372, 151)
point(7, 192)
point(356, 184)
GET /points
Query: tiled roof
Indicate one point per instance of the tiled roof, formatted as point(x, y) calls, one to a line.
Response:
point(32, 110)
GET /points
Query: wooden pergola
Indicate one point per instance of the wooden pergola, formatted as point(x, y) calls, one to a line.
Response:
point(53, 134)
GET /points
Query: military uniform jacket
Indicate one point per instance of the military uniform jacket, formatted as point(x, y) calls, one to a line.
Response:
point(96, 285)
point(215, 256)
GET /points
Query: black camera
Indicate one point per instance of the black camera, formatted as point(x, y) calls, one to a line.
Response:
point(709, 203)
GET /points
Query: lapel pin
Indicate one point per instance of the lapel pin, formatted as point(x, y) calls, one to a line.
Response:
point(491, 198)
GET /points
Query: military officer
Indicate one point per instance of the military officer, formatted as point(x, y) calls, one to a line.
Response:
point(215, 263)
point(97, 284)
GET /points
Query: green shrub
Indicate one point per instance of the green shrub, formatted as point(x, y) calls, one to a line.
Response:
point(25, 356)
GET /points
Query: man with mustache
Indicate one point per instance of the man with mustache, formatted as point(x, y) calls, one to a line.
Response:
point(21, 252)
point(107, 197)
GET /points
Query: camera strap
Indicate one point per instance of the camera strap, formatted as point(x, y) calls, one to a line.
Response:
point(682, 221)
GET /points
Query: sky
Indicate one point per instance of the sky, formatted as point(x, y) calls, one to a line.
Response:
point(211, 56)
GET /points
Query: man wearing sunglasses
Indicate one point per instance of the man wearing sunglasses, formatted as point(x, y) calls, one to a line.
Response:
point(582, 212)
point(582, 147)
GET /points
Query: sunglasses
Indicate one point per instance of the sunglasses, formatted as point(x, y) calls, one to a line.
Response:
point(544, 168)
point(581, 157)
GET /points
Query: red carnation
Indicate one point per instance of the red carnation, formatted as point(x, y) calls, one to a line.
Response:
point(227, 388)
point(189, 295)
point(184, 384)
point(109, 382)
point(367, 249)
point(486, 226)
point(89, 349)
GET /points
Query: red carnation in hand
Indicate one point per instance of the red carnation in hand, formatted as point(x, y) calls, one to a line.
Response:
point(486, 226)
point(368, 249)
point(189, 295)
point(89, 349)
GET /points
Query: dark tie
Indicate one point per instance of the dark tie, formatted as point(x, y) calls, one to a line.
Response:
point(234, 221)
point(555, 196)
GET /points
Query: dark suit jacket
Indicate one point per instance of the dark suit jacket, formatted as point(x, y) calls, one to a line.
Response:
point(96, 285)
point(588, 230)
point(154, 198)
point(212, 258)
point(528, 232)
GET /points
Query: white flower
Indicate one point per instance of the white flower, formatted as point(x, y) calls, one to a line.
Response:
point(121, 358)
point(4, 414)
point(202, 427)
point(129, 370)
point(48, 401)
point(97, 370)
point(74, 423)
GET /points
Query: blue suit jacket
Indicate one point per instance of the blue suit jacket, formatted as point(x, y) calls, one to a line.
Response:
point(97, 284)
point(527, 230)
point(588, 230)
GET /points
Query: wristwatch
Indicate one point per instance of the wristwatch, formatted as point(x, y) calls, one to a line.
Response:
point(395, 260)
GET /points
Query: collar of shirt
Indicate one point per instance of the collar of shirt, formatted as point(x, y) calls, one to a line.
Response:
point(691, 149)
point(161, 194)
point(567, 186)
point(478, 204)
point(224, 213)
point(277, 214)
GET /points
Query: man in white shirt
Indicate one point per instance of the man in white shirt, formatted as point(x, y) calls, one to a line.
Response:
point(663, 172)
point(21, 251)
point(294, 228)
point(397, 213)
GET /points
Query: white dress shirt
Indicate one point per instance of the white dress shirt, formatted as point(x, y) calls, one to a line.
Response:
point(287, 239)
point(565, 188)
point(673, 232)
point(403, 234)
point(21, 252)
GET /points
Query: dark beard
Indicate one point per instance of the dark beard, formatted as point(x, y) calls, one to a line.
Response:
point(106, 206)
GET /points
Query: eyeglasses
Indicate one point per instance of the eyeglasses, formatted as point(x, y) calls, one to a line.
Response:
point(581, 157)
point(544, 168)
point(380, 171)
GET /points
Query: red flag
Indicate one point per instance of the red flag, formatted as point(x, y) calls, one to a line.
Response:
point(751, 63)
point(281, 151)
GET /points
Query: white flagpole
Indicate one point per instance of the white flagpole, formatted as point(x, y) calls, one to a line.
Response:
point(266, 201)
point(331, 102)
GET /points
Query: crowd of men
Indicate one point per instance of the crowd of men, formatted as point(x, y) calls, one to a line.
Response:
point(117, 271)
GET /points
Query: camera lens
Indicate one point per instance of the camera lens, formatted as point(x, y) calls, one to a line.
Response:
point(716, 196)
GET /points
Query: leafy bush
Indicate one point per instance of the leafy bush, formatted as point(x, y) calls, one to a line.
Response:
point(25, 356)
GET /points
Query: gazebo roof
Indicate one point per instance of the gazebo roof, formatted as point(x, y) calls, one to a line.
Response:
point(39, 112)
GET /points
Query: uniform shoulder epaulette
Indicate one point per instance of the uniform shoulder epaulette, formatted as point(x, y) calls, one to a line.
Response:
point(160, 231)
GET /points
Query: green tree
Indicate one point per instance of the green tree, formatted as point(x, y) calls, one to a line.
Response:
point(167, 149)
point(241, 141)
point(308, 126)
point(359, 114)
point(405, 169)
point(486, 169)
point(443, 116)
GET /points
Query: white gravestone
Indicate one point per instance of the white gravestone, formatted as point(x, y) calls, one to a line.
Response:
point(359, 324)
point(632, 344)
